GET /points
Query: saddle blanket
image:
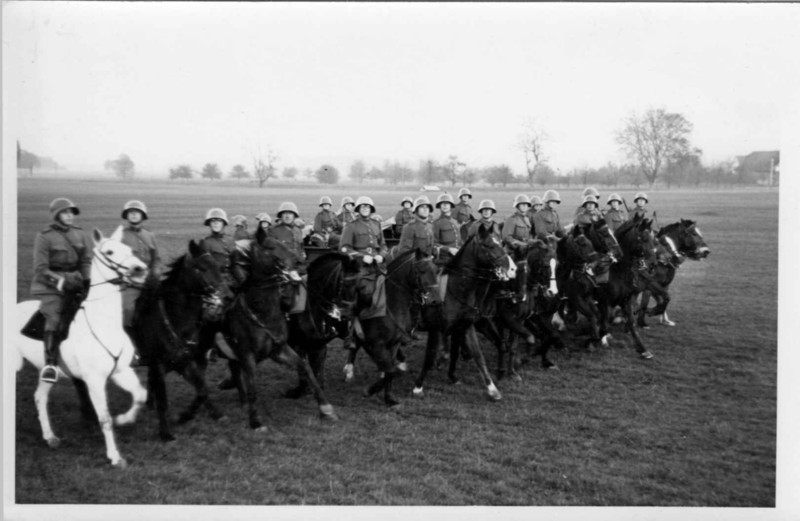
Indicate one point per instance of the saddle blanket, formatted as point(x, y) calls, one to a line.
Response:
point(378, 307)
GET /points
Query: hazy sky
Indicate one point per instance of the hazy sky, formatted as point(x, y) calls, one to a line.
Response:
point(194, 83)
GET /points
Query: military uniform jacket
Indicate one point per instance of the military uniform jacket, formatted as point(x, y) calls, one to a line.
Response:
point(531, 213)
point(344, 218)
point(56, 250)
point(290, 236)
point(546, 221)
point(473, 229)
point(462, 213)
point(402, 218)
point(143, 243)
point(639, 211)
point(615, 218)
point(363, 236)
point(446, 232)
point(418, 234)
point(588, 216)
point(325, 222)
point(220, 246)
point(240, 234)
point(516, 230)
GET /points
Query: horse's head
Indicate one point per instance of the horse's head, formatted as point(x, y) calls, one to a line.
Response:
point(635, 237)
point(489, 253)
point(205, 278)
point(691, 242)
point(118, 257)
point(541, 260)
point(604, 240)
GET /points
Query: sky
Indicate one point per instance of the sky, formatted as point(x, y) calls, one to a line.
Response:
point(175, 83)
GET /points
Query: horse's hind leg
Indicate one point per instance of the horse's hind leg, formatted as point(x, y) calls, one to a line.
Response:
point(194, 374)
point(157, 391)
point(40, 397)
point(349, 366)
point(87, 411)
point(473, 344)
point(431, 351)
point(642, 311)
point(127, 380)
point(286, 355)
point(97, 392)
point(628, 308)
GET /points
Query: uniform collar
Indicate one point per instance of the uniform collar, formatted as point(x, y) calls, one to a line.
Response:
point(60, 227)
point(134, 227)
point(218, 235)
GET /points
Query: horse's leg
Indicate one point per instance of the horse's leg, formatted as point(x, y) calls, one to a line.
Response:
point(349, 366)
point(456, 343)
point(473, 344)
point(156, 384)
point(589, 310)
point(40, 397)
point(493, 334)
point(642, 311)
point(431, 351)
point(316, 356)
point(388, 399)
point(97, 392)
point(87, 411)
point(602, 293)
point(286, 355)
point(247, 378)
point(194, 373)
point(628, 309)
point(127, 380)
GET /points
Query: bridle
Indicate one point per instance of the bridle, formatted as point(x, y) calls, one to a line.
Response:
point(122, 271)
point(419, 293)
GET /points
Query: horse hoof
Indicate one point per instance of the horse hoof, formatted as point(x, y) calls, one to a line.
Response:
point(166, 436)
point(54, 442)
point(402, 367)
point(617, 320)
point(494, 395)
point(516, 377)
point(120, 420)
point(455, 381)
point(418, 392)
point(647, 355)
point(349, 373)
point(668, 322)
point(605, 340)
point(261, 429)
point(553, 367)
point(326, 412)
point(120, 464)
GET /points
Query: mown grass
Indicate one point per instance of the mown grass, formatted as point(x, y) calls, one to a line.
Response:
point(696, 426)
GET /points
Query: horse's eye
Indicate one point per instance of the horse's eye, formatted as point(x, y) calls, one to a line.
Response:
point(109, 252)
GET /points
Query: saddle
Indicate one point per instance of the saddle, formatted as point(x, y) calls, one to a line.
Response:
point(34, 328)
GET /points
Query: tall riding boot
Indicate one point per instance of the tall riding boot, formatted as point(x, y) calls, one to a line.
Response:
point(51, 344)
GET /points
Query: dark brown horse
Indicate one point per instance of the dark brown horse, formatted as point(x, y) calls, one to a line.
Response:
point(167, 323)
point(481, 261)
point(676, 242)
point(256, 328)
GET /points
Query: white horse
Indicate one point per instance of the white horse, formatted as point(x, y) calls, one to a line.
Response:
point(97, 348)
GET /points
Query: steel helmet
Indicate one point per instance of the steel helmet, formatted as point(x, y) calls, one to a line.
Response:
point(287, 206)
point(134, 205)
point(365, 200)
point(263, 216)
point(347, 199)
point(535, 199)
point(444, 198)
point(521, 198)
point(487, 204)
point(641, 195)
point(216, 213)
point(407, 199)
point(590, 190)
point(614, 197)
point(61, 204)
point(589, 198)
point(464, 191)
point(423, 201)
point(551, 195)
point(239, 220)
point(325, 200)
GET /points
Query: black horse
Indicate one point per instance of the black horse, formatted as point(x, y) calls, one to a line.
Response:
point(628, 276)
point(481, 261)
point(676, 242)
point(410, 281)
point(167, 323)
point(576, 279)
point(331, 290)
point(255, 326)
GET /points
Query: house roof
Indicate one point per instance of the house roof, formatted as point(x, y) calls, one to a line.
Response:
point(760, 161)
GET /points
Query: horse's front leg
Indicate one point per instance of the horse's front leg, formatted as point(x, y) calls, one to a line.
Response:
point(97, 392)
point(473, 344)
point(248, 370)
point(628, 309)
point(156, 382)
point(286, 355)
point(194, 373)
point(431, 352)
point(349, 366)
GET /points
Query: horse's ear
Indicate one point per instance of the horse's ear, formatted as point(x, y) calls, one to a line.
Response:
point(195, 250)
point(117, 235)
point(97, 236)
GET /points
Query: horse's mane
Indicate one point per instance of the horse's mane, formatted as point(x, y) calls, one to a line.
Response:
point(626, 227)
point(153, 283)
point(400, 259)
point(325, 267)
point(670, 227)
point(456, 260)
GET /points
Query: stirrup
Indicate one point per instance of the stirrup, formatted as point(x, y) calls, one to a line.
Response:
point(49, 374)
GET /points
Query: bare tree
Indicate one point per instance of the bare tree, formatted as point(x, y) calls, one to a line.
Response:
point(531, 142)
point(454, 169)
point(654, 138)
point(264, 165)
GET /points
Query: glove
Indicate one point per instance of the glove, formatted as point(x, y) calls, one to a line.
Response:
point(60, 284)
point(295, 276)
point(72, 282)
point(84, 291)
point(378, 258)
point(453, 250)
point(367, 259)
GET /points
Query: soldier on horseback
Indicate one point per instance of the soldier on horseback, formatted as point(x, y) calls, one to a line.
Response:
point(486, 210)
point(446, 236)
point(264, 220)
point(221, 246)
point(325, 223)
point(516, 237)
point(588, 211)
point(640, 200)
point(240, 228)
point(546, 221)
point(462, 213)
point(616, 215)
point(403, 216)
point(62, 259)
point(347, 214)
point(143, 245)
point(589, 190)
point(418, 234)
point(287, 233)
point(536, 205)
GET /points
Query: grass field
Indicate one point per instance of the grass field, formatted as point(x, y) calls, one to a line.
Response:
point(695, 426)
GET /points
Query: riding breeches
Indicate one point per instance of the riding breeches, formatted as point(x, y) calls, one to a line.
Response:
point(51, 306)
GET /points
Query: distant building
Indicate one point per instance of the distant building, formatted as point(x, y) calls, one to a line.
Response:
point(761, 167)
